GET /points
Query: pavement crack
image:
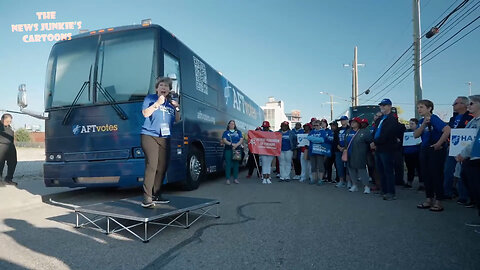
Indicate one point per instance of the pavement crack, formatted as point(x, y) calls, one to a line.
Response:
point(172, 253)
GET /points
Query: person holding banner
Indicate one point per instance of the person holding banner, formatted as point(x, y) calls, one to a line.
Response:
point(304, 158)
point(233, 139)
point(253, 162)
point(289, 143)
point(357, 148)
point(411, 152)
point(266, 159)
point(319, 148)
point(434, 133)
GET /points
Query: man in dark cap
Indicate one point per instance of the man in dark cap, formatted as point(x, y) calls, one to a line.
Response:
point(385, 142)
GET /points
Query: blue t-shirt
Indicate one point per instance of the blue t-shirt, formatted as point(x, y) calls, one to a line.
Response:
point(457, 120)
point(286, 145)
point(232, 136)
point(164, 115)
point(341, 136)
point(321, 133)
point(432, 132)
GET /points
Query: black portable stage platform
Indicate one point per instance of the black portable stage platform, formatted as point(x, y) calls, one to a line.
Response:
point(123, 212)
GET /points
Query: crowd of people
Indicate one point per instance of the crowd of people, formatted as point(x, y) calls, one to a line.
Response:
point(373, 157)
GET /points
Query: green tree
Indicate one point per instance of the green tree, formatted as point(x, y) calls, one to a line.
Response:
point(22, 135)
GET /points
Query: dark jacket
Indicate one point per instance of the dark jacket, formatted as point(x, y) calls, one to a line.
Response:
point(466, 117)
point(360, 146)
point(6, 134)
point(389, 134)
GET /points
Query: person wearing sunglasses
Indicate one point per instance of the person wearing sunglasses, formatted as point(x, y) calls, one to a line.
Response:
point(469, 175)
point(461, 117)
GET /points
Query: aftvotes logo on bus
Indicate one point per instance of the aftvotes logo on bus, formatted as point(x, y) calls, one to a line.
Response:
point(80, 129)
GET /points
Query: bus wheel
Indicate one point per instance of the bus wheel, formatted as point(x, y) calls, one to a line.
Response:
point(196, 169)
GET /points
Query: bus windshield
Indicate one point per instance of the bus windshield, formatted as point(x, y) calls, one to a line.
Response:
point(122, 63)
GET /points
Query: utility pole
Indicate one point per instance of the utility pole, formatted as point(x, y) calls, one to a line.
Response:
point(417, 64)
point(331, 108)
point(354, 66)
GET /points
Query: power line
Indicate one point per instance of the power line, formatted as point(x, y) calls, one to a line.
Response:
point(454, 23)
point(406, 61)
point(398, 59)
point(451, 37)
point(428, 60)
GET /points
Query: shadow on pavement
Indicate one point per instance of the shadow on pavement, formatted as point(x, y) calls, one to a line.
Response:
point(69, 248)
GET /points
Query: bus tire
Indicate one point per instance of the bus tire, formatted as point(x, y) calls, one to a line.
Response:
point(196, 169)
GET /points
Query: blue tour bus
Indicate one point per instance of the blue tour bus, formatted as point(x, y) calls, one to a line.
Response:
point(95, 86)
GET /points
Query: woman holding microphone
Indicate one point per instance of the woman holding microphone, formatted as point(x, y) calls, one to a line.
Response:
point(160, 113)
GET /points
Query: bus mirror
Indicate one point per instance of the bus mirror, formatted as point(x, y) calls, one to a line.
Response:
point(22, 96)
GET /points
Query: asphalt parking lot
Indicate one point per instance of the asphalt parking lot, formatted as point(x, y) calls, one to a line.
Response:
point(278, 226)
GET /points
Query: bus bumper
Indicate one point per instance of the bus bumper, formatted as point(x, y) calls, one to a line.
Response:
point(112, 173)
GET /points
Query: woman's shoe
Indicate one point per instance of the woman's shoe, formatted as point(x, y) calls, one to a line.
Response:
point(424, 205)
point(436, 208)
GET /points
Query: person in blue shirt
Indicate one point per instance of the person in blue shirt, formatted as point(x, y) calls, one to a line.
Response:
point(411, 156)
point(341, 169)
point(318, 150)
point(434, 133)
point(160, 113)
point(330, 161)
point(289, 143)
point(233, 139)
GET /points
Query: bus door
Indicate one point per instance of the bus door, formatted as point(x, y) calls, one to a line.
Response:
point(176, 169)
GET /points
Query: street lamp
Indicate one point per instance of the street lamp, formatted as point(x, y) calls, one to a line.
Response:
point(469, 88)
point(331, 104)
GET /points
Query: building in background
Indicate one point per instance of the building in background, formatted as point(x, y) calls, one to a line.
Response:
point(274, 112)
point(293, 118)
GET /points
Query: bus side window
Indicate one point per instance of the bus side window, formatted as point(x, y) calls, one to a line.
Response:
point(172, 70)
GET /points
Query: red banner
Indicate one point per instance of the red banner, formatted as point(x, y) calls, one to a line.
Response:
point(265, 143)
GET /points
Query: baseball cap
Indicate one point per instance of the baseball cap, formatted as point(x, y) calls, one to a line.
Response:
point(364, 121)
point(357, 119)
point(324, 120)
point(308, 125)
point(285, 123)
point(343, 118)
point(385, 101)
point(313, 119)
point(266, 124)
